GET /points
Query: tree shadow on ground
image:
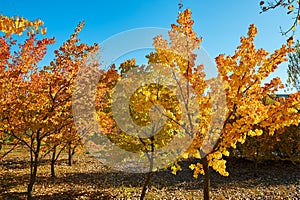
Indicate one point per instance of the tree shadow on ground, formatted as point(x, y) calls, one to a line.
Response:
point(241, 172)
point(21, 164)
point(13, 195)
point(11, 181)
point(268, 173)
point(71, 194)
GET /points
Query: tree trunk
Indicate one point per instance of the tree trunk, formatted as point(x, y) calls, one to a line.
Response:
point(206, 185)
point(255, 163)
point(53, 162)
point(144, 190)
point(34, 162)
point(70, 155)
point(34, 167)
point(149, 174)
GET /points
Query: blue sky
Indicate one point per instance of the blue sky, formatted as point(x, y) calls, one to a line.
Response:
point(220, 23)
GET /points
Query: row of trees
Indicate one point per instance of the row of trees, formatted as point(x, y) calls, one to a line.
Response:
point(241, 78)
point(283, 145)
point(36, 103)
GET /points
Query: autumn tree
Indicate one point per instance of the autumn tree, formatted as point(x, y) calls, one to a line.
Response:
point(146, 95)
point(242, 75)
point(37, 103)
point(282, 145)
point(241, 78)
point(132, 104)
point(22, 93)
point(61, 74)
point(232, 106)
point(113, 116)
point(10, 67)
point(288, 144)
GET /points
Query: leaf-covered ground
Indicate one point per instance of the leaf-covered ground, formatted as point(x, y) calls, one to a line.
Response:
point(88, 179)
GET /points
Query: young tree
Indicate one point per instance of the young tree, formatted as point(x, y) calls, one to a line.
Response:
point(23, 99)
point(118, 129)
point(61, 74)
point(10, 68)
point(37, 103)
point(241, 75)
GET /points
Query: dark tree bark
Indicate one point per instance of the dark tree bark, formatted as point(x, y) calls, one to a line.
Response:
point(149, 174)
point(71, 152)
point(55, 156)
point(206, 185)
point(53, 162)
point(145, 186)
point(255, 163)
point(70, 156)
point(34, 162)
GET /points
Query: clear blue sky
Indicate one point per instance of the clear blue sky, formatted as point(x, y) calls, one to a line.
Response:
point(220, 23)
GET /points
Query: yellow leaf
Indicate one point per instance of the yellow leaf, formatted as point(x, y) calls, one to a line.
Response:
point(192, 166)
point(44, 31)
point(226, 153)
point(258, 132)
point(185, 155)
point(175, 168)
point(197, 155)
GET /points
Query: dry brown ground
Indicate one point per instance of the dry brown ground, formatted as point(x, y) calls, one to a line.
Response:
point(88, 179)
